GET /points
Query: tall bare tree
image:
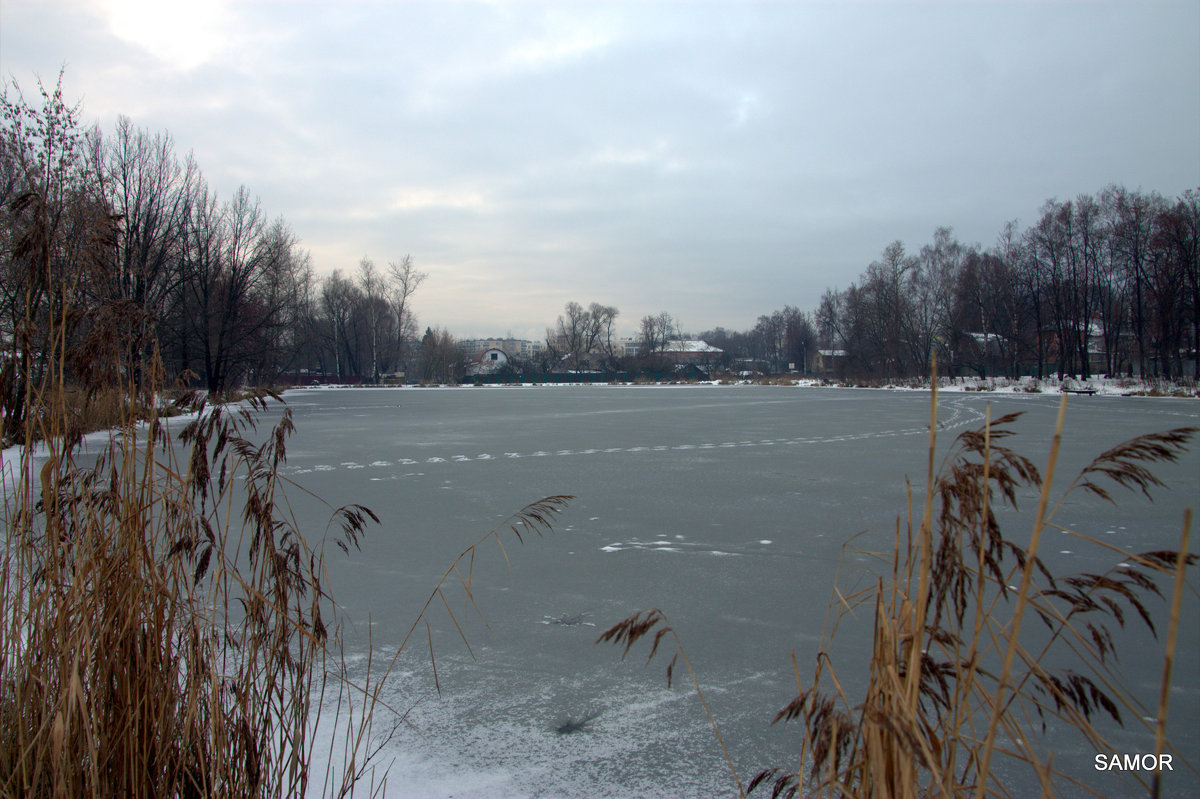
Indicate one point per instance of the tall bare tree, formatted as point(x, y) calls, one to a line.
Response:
point(931, 300)
point(657, 331)
point(572, 333)
point(1182, 227)
point(1130, 218)
point(884, 311)
point(239, 283)
point(1173, 282)
point(403, 281)
point(149, 190)
point(602, 319)
point(55, 230)
point(338, 300)
point(372, 287)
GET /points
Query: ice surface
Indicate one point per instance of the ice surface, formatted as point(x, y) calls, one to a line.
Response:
point(730, 508)
point(727, 507)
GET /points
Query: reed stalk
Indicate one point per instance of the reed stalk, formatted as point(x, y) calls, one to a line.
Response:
point(998, 702)
point(1164, 695)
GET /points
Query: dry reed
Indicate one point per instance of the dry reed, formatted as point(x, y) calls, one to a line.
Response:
point(164, 622)
point(165, 626)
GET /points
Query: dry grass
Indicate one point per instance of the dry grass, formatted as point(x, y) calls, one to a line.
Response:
point(955, 681)
point(163, 623)
point(165, 626)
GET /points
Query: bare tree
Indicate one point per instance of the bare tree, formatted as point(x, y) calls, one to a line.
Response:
point(785, 337)
point(1089, 248)
point(404, 279)
point(149, 190)
point(985, 303)
point(1173, 282)
point(371, 285)
point(829, 318)
point(572, 333)
point(234, 313)
point(884, 311)
point(1048, 245)
point(800, 338)
point(286, 274)
point(338, 298)
point(54, 228)
point(1131, 218)
point(442, 360)
point(600, 333)
point(1021, 255)
point(581, 332)
point(931, 299)
point(1181, 227)
point(657, 332)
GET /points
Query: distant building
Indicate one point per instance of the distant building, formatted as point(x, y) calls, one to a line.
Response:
point(829, 362)
point(489, 361)
point(692, 351)
point(513, 348)
point(626, 347)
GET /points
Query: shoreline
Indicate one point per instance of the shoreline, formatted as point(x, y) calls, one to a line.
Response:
point(1096, 386)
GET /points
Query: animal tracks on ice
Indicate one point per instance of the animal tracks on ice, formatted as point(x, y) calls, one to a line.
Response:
point(955, 414)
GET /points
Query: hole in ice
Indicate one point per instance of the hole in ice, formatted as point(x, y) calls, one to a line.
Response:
point(571, 725)
point(569, 620)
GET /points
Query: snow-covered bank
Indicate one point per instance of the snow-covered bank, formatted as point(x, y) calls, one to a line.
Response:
point(37, 453)
point(1102, 385)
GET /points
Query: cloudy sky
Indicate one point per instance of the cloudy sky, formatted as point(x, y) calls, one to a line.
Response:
point(713, 160)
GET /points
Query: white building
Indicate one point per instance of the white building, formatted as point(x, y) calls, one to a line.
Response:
point(692, 351)
point(513, 348)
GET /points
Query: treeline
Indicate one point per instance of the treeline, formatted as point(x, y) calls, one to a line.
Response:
point(114, 242)
point(1103, 284)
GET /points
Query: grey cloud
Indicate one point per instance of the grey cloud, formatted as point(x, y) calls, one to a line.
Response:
point(641, 154)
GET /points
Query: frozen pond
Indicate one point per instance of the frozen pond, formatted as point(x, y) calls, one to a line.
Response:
point(726, 507)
